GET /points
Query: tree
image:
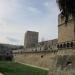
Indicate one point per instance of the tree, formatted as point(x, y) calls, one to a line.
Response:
point(67, 8)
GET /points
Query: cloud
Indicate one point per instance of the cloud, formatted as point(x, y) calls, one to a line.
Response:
point(9, 40)
point(18, 16)
point(7, 8)
point(51, 6)
point(7, 29)
point(13, 40)
point(34, 10)
point(3, 39)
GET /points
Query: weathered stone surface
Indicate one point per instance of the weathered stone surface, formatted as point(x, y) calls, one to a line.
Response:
point(63, 65)
point(64, 61)
point(41, 59)
point(66, 32)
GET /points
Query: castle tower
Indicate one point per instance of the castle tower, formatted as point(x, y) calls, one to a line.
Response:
point(63, 62)
point(31, 39)
point(66, 32)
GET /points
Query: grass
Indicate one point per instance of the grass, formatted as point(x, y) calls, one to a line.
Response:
point(11, 68)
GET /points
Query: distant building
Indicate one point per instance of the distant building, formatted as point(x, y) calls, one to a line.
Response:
point(31, 39)
point(48, 45)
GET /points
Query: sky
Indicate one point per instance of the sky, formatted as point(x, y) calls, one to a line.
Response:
point(19, 16)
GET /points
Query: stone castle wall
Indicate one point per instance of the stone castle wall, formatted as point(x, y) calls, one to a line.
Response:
point(66, 32)
point(39, 59)
point(42, 59)
point(57, 56)
point(63, 63)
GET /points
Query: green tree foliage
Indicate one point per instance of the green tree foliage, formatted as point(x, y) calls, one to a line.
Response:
point(67, 8)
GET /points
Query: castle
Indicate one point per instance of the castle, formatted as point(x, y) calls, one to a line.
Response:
point(57, 55)
point(64, 60)
point(62, 63)
point(66, 38)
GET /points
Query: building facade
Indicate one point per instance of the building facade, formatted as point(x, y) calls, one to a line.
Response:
point(31, 39)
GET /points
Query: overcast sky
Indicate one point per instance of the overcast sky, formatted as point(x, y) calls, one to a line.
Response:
point(18, 16)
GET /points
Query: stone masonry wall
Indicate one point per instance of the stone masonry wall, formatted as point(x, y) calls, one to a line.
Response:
point(63, 63)
point(66, 32)
point(58, 63)
point(41, 59)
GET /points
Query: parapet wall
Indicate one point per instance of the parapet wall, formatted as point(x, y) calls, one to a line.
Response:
point(41, 59)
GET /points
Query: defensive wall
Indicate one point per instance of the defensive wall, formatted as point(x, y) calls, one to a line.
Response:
point(57, 56)
point(41, 59)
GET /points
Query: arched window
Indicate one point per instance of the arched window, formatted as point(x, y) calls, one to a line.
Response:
point(64, 45)
point(61, 46)
point(58, 46)
point(71, 44)
point(68, 45)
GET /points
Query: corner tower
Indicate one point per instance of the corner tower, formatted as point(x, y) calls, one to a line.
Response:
point(66, 32)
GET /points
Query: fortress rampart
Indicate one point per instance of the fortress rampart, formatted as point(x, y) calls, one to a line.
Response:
point(57, 55)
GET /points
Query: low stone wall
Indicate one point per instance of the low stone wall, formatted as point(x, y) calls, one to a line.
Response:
point(42, 59)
